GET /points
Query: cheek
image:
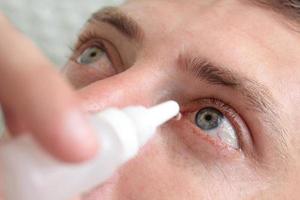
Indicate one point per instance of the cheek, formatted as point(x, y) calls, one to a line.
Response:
point(158, 172)
point(154, 174)
point(167, 168)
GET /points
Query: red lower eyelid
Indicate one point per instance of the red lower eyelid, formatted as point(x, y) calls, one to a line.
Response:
point(201, 143)
point(189, 118)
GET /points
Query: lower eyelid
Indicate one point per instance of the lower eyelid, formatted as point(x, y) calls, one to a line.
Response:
point(201, 145)
point(81, 75)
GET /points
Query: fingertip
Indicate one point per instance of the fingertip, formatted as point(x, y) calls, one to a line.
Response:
point(77, 154)
point(71, 139)
point(78, 151)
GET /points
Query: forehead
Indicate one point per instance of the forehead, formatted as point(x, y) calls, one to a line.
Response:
point(247, 38)
point(178, 16)
point(213, 26)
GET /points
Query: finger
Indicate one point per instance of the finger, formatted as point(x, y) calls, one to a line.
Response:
point(38, 94)
point(14, 124)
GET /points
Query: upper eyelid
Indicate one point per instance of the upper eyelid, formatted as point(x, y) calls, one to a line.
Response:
point(89, 36)
point(82, 39)
point(85, 37)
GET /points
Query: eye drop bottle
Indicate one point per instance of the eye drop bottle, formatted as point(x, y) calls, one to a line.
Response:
point(29, 173)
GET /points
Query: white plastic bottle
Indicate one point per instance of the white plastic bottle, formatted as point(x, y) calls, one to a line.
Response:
point(28, 173)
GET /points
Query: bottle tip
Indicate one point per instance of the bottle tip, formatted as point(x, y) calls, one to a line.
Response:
point(163, 112)
point(147, 120)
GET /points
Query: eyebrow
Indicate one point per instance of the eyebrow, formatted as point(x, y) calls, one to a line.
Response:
point(121, 21)
point(256, 94)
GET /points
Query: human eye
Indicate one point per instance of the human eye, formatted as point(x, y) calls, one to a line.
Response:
point(216, 123)
point(91, 55)
point(93, 59)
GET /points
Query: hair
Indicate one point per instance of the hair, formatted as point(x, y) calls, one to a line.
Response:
point(288, 8)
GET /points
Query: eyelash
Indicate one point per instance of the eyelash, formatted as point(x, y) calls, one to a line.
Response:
point(86, 37)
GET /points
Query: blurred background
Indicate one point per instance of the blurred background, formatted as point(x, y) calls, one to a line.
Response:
point(52, 24)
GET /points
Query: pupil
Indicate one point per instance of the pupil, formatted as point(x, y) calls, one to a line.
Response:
point(208, 117)
point(93, 54)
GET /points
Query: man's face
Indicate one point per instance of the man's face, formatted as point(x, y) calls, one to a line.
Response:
point(234, 69)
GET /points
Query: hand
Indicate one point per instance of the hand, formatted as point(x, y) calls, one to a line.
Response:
point(36, 100)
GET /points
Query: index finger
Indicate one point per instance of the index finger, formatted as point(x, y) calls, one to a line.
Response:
point(31, 87)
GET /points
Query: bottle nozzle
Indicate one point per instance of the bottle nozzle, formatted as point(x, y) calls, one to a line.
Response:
point(147, 120)
point(163, 112)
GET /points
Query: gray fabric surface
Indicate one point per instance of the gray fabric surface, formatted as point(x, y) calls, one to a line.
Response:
point(52, 24)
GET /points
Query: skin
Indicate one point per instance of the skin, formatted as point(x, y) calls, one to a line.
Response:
point(58, 125)
point(182, 161)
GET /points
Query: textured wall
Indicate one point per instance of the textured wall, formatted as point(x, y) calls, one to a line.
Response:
point(52, 24)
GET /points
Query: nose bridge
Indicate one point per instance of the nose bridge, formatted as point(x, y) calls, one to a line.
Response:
point(147, 82)
point(139, 85)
